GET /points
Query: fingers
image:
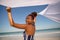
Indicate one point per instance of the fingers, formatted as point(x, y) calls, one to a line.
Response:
point(8, 9)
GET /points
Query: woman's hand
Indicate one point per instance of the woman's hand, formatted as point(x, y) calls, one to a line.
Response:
point(8, 9)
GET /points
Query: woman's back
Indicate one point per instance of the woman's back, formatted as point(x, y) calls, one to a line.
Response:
point(30, 30)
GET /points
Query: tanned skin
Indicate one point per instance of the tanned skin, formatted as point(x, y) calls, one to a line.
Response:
point(29, 28)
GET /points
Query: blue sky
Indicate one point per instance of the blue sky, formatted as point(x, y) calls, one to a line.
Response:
point(19, 14)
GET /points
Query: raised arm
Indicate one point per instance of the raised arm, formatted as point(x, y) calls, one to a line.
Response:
point(12, 23)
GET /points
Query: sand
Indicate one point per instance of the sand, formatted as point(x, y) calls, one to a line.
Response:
point(38, 36)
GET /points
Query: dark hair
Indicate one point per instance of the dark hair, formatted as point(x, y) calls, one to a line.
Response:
point(33, 14)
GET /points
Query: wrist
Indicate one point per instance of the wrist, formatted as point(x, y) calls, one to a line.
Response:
point(9, 12)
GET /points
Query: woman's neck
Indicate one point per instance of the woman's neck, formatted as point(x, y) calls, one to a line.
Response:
point(31, 24)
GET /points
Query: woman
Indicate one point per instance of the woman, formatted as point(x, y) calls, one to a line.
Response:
point(29, 26)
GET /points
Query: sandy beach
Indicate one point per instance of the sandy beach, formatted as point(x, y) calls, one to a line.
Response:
point(38, 36)
point(35, 38)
